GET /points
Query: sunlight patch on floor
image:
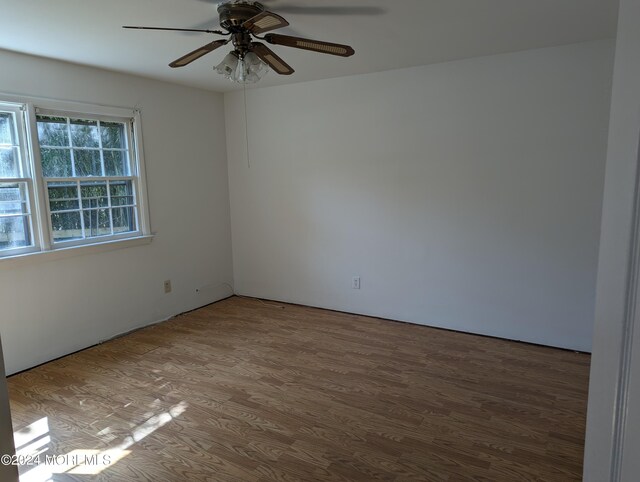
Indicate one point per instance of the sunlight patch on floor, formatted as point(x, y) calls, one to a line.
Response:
point(32, 442)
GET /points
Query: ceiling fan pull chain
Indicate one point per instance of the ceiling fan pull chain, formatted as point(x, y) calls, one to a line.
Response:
point(246, 123)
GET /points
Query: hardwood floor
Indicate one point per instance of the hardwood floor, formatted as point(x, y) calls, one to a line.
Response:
point(249, 391)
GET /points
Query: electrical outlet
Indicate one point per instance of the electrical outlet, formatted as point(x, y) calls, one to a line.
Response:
point(355, 283)
point(167, 286)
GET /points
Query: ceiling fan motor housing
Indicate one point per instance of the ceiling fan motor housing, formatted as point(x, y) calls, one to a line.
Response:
point(234, 14)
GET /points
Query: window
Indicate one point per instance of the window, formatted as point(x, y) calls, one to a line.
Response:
point(87, 171)
point(68, 179)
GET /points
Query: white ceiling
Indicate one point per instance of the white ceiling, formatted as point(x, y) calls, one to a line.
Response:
point(388, 35)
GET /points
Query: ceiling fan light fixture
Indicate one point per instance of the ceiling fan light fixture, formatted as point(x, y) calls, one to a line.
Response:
point(254, 68)
point(249, 69)
point(228, 66)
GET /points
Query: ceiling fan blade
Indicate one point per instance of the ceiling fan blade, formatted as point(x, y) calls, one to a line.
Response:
point(302, 10)
point(267, 55)
point(219, 32)
point(264, 22)
point(197, 53)
point(307, 44)
point(327, 10)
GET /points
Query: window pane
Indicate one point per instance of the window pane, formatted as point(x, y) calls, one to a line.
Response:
point(7, 128)
point(63, 197)
point(96, 222)
point(116, 163)
point(87, 163)
point(56, 162)
point(123, 220)
point(113, 135)
point(84, 133)
point(121, 193)
point(13, 199)
point(94, 194)
point(10, 162)
point(63, 191)
point(66, 226)
point(52, 131)
point(14, 232)
point(63, 205)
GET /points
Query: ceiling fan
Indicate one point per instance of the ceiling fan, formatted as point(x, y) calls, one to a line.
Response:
point(243, 22)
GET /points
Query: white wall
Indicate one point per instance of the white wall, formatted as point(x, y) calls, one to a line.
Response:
point(52, 308)
point(466, 195)
point(614, 325)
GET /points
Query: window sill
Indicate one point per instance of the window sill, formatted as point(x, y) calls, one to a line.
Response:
point(62, 253)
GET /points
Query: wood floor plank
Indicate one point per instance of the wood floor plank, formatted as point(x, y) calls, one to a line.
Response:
point(245, 390)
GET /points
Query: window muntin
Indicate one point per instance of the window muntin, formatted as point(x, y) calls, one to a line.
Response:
point(86, 166)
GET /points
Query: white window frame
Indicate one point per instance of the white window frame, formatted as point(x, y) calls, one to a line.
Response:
point(42, 234)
